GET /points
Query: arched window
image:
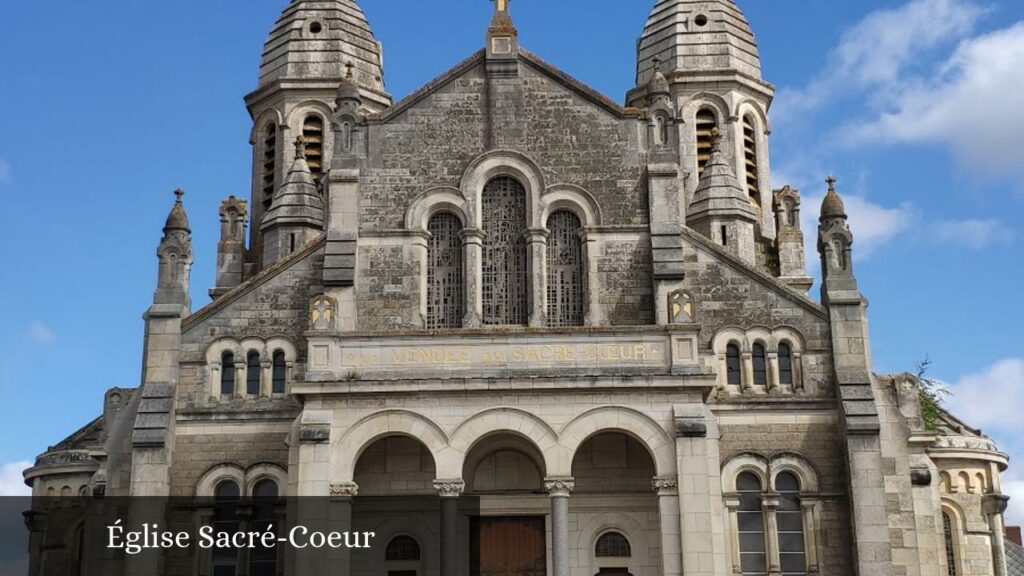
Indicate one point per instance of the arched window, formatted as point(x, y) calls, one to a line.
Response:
point(313, 134)
point(750, 520)
point(263, 561)
point(790, 519)
point(750, 158)
point(445, 276)
point(612, 545)
point(227, 374)
point(706, 124)
point(760, 365)
point(269, 178)
point(225, 519)
point(252, 374)
point(951, 558)
point(734, 374)
point(504, 253)
point(279, 372)
point(402, 555)
point(565, 270)
point(785, 364)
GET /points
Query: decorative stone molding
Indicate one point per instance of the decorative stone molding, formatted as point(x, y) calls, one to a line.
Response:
point(666, 486)
point(450, 488)
point(690, 422)
point(345, 489)
point(995, 504)
point(921, 477)
point(559, 487)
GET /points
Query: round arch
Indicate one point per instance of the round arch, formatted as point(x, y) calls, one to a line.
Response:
point(504, 420)
point(494, 164)
point(270, 115)
point(733, 467)
point(207, 485)
point(798, 466)
point(574, 199)
point(627, 421)
point(351, 445)
point(432, 202)
point(598, 525)
point(716, 103)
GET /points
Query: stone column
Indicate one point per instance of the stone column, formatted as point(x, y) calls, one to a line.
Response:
point(537, 249)
point(473, 244)
point(732, 505)
point(810, 535)
point(560, 488)
point(700, 491)
point(667, 489)
point(204, 517)
point(747, 366)
point(773, 371)
point(994, 506)
point(266, 377)
point(591, 259)
point(770, 505)
point(798, 371)
point(449, 491)
point(342, 495)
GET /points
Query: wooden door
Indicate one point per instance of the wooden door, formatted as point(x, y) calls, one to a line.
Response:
point(514, 546)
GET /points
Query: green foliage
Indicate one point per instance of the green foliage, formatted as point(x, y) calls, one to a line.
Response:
point(931, 394)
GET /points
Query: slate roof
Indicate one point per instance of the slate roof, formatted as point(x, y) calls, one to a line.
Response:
point(1014, 559)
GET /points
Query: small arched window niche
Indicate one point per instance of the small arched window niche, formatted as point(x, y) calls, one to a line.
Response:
point(613, 554)
point(759, 361)
point(402, 556)
point(264, 373)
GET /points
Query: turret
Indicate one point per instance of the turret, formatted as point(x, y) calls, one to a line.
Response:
point(231, 254)
point(296, 216)
point(175, 257)
point(721, 209)
point(835, 245)
point(789, 242)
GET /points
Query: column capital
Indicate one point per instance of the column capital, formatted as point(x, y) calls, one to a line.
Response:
point(995, 504)
point(770, 500)
point(344, 490)
point(666, 485)
point(560, 486)
point(450, 487)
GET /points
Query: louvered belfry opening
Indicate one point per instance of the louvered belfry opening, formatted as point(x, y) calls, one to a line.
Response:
point(313, 132)
point(445, 277)
point(269, 164)
point(750, 159)
point(706, 124)
point(565, 270)
point(504, 253)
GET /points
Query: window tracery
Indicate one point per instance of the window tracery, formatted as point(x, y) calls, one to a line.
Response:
point(445, 272)
point(565, 270)
point(505, 273)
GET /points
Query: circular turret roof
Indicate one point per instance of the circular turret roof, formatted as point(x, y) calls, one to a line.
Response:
point(315, 39)
point(695, 36)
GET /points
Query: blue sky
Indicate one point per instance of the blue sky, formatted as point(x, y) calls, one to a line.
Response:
point(914, 104)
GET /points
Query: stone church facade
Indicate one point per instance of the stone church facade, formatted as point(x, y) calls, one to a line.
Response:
point(514, 327)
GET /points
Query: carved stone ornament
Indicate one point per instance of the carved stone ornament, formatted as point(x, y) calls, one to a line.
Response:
point(322, 310)
point(449, 488)
point(667, 486)
point(346, 489)
point(560, 487)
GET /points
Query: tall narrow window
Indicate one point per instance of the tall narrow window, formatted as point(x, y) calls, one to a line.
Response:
point(313, 133)
point(227, 374)
point(252, 374)
point(750, 520)
point(504, 253)
point(947, 528)
point(750, 158)
point(269, 179)
point(445, 277)
point(790, 518)
point(732, 365)
point(565, 270)
point(785, 364)
point(263, 560)
point(707, 122)
point(760, 365)
point(225, 519)
point(278, 373)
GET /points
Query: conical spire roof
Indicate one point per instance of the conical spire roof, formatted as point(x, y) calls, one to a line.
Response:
point(697, 36)
point(177, 219)
point(719, 190)
point(298, 201)
point(315, 39)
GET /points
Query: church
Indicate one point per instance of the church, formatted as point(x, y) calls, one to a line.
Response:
point(512, 326)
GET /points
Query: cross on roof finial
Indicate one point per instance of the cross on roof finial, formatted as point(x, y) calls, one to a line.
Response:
point(300, 147)
point(178, 194)
point(831, 180)
point(501, 5)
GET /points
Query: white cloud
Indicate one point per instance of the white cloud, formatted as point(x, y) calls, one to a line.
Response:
point(881, 47)
point(973, 106)
point(991, 400)
point(972, 233)
point(41, 334)
point(11, 481)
